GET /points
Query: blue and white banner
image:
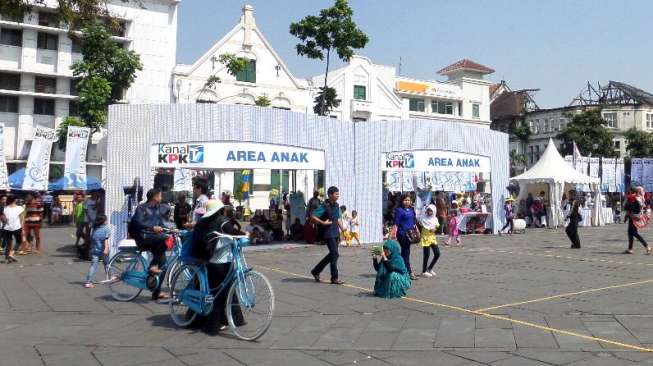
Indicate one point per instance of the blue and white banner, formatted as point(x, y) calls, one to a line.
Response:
point(75, 165)
point(235, 155)
point(570, 160)
point(4, 177)
point(608, 175)
point(434, 161)
point(620, 176)
point(393, 181)
point(647, 174)
point(636, 171)
point(582, 163)
point(594, 167)
point(38, 162)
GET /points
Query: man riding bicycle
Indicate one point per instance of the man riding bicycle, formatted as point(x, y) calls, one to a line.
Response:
point(147, 229)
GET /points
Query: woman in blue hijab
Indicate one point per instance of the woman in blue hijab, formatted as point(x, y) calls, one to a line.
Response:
point(392, 277)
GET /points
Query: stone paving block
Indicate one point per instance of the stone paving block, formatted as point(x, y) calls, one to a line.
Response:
point(554, 358)
point(494, 337)
point(207, 358)
point(456, 333)
point(484, 357)
point(341, 357)
point(527, 337)
point(274, 358)
point(421, 358)
point(518, 361)
point(613, 331)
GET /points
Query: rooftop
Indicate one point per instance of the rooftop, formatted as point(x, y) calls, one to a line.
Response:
point(465, 65)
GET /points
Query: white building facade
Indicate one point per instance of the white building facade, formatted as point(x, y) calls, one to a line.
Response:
point(266, 74)
point(36, 84)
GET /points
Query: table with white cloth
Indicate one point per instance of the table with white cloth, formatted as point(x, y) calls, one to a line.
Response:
point(586, 213)
point(608, 215)
point(473, 222)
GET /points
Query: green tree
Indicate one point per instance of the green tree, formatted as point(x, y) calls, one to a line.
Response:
point(639, 143)
point(75, 13)
point(332, 30)
point(263, 101)
point(105, 71)
point(517, 162)
point(234, 65)
point(588, 130)
point(326, 102)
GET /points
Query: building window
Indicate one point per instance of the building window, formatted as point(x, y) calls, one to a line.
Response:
point(563, 124)
point(8, 104)
point(617, 145)
point(249, 74)
point(537, 152)
point(610, 119)
point(11, 37)
point(460, 109)
point(76, 45)
point(530, 154)
point(9, 81)
point(359, 119)
point(476, 111)
point(44, 106)
point(546, 125)
point(649, 120)
point(359, 92)
point(73, 87)
point(45, 85)
point(73, 108)
point(48, 19)
point(441, 107)
point(416, 105)
point(47, 41)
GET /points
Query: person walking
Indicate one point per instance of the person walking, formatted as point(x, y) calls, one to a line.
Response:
point(3, 233)
point(429, 224)
point(404, 221)
point(99, 249)
point(327, 216)
point(13, 219)
point(33, 219)
point(633, 208)
point(79, 218)
point(441, 212)
point(572, 228)
point(90, 214)
point(510, 216)
point(452, 228)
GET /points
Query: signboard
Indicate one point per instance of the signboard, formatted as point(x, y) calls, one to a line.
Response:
point(235, 155)
point(4, 177)
point(434, 161)
point(75, 165)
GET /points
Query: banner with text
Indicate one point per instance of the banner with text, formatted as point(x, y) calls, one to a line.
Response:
point(581, 164)
point(620, 175)
point(38, 162)
point(594, 167)
point(647, 174)
point(4, 176)
point(183, 181)
point(75, 165)
point(235, 155)
point(434, 161)
point(608, 175)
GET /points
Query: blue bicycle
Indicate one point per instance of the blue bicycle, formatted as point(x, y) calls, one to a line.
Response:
point(249, 293)
point(127, 273)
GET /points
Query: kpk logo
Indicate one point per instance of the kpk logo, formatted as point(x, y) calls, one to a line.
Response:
point(181, 154)
point(400, 161)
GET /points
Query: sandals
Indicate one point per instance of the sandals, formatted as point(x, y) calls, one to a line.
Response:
point(628, 251)
point(89, 285)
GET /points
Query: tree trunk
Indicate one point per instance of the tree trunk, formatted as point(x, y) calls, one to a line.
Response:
point(326, 75)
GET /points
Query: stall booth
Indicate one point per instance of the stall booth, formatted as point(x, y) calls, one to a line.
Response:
point(223, 141)
point(554, 176)
point(427, 173)
point(255, 176)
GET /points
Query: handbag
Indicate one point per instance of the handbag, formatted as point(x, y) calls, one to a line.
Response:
point(413, 235)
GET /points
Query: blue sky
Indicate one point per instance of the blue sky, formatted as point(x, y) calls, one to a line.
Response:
point(554, 45)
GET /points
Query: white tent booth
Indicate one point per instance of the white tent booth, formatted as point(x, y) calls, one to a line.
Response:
point(552, 174)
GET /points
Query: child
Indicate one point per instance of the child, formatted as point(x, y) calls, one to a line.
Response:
point(453, 225)
point(344, 219)
point(354, 229)
point(99, 248)
point(429, 224)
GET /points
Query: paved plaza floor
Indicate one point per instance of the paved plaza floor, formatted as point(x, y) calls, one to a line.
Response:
point(510, 300)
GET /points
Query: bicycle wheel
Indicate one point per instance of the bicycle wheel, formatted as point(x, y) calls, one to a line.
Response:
point(186, 277)
point(252, 298)
point(171, 272)
point(120, 264)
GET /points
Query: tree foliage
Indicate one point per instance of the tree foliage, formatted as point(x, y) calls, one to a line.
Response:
point(588, 130)
point(263, 101)
point(326, 102)
point(76, 13)
point(234, 64)
point(639, 143)
point(62, 130)
point(332, 30)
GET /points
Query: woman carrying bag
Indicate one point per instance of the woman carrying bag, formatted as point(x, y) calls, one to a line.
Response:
point(405, 224)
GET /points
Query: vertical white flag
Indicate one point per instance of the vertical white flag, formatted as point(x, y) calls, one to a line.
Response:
point(4, 177)
point(636, 171)
point(75, 166)
point(620, 175)
point(38, 162)
point(183, 181)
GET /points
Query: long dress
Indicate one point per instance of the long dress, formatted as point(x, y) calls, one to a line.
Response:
point(392, 278)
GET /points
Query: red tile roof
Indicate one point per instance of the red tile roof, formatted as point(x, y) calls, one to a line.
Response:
point(465, 64)
point(494, 88)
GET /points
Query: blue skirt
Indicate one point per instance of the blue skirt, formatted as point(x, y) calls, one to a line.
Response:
point(391, 286)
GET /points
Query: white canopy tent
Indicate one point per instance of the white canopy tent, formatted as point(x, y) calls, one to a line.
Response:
point(553, 171)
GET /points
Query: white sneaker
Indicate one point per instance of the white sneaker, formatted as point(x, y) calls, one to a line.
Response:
point(427, 274)
point(432, 272)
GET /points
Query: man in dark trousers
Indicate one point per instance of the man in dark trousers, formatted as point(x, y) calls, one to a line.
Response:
point(327, 216)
